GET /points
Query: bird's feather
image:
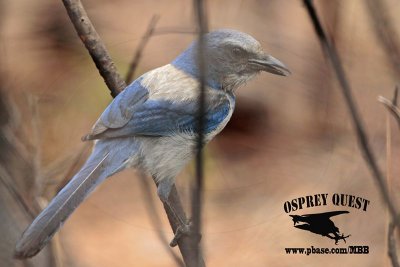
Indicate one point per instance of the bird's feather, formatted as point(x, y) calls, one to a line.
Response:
point(162, 118)
point(162, 103)
point(120, 110)
point(50, 219)
point(169, 105)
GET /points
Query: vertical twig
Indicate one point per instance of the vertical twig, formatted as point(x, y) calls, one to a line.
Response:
point(388, 172)
point(333, 56)
point(155, 219)
point(385, 32)
point(392, 105)
point(36, 153)
point(395, 96)
point(391, 228)
point(139, 51)
point(392, 250)
point(197, 195)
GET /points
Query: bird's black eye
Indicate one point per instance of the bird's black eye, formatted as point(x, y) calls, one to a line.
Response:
point(238, 52)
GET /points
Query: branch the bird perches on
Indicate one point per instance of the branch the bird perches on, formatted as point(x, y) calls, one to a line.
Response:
point(116, 84)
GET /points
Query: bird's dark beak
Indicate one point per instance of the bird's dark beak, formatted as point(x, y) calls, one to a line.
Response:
point(270, 64)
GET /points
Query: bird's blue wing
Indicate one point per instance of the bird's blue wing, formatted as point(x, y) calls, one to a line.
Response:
point(121, 109)
point(163, 117)
point(160, 117)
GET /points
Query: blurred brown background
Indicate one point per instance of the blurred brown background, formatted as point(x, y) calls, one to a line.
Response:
point(290, 137)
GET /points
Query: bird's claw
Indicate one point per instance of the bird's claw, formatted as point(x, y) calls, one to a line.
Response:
point(183, 229)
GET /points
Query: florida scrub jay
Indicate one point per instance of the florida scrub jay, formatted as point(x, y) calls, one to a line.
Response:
point(151, 125)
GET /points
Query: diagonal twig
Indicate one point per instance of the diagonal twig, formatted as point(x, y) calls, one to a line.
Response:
point(115, 84)
point(6, 179)
point(74, 166)
point(149, 201)
point(392, 105)
point(139, 51)
point(364, 146)
point(171, 30)
point(385, 31)
point(95, 46)
point(155, 219)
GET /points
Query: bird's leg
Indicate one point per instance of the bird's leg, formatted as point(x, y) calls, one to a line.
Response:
point(164, 188)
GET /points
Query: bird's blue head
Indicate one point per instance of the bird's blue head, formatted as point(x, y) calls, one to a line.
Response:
point(232, 58)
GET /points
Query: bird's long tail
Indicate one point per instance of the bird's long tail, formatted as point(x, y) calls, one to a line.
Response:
point(42, 229)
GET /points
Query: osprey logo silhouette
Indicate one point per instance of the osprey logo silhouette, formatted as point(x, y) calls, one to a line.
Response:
point(320, 224)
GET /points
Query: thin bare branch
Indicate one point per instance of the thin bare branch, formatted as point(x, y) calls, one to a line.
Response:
point(395, 95)
point(139, 51)
point(5, 179)
point(149, 201)
point(391, 106)
point(95, 46)
point(392, 250)
point(364, 146)
point(197, 195)
point(385, 31)
point(36, 151)
point(154, 217)
point(171, 30)
point(74, 167)
point(175, 212)
point(115, 84)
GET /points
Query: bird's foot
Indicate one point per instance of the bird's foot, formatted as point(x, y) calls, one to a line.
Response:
point(182, 230)
point(185, 227)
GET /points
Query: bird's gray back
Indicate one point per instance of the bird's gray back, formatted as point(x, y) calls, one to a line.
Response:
point(165, 156)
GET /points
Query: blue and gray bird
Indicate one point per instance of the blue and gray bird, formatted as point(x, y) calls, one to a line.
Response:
point(151, 125)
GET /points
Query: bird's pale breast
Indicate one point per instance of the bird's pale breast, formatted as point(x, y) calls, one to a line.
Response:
point(166, 156)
